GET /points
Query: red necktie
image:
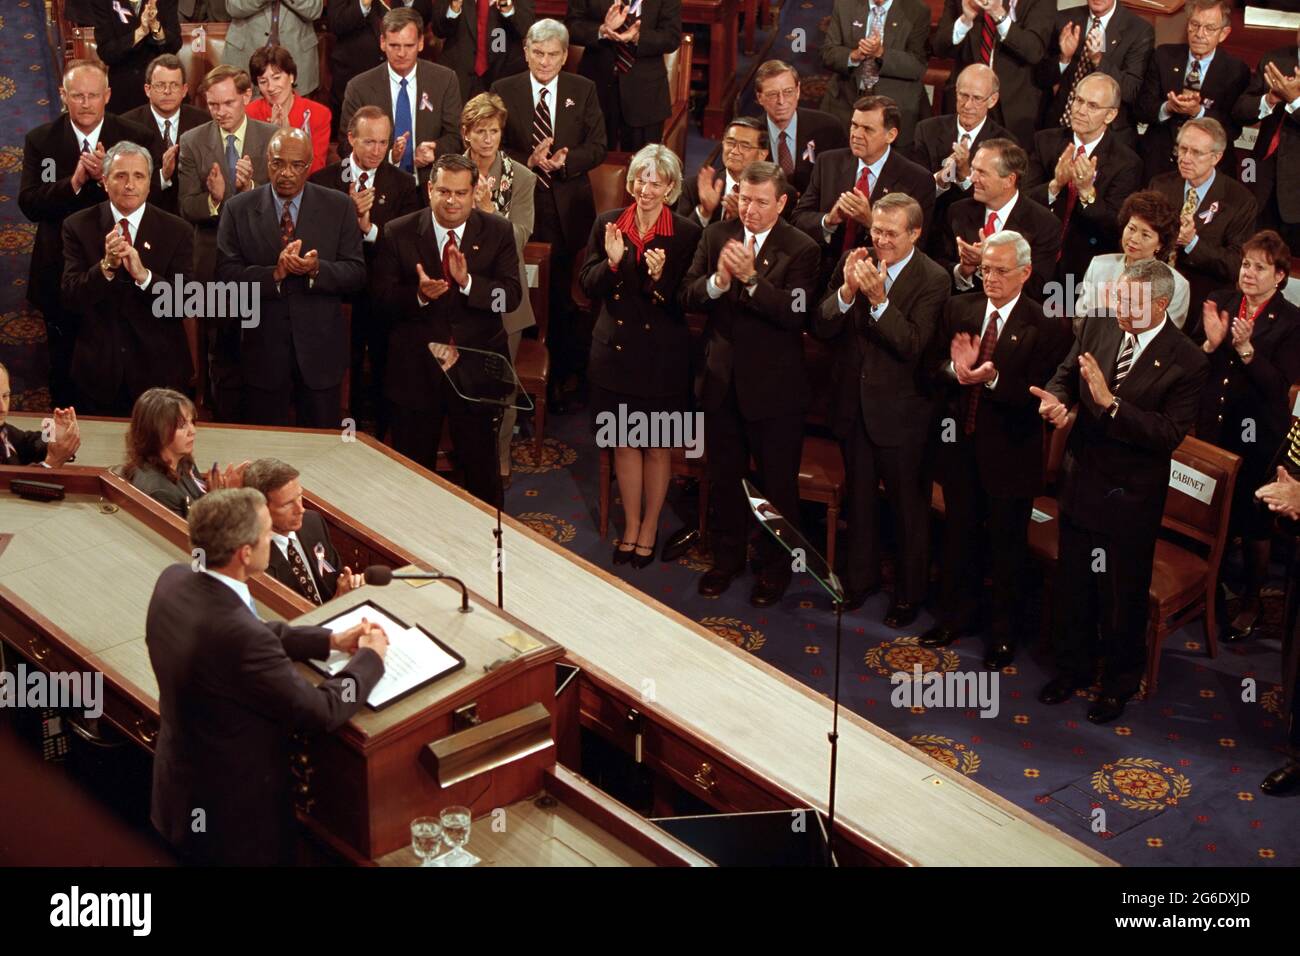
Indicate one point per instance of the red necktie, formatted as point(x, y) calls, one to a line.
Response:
point(987, 346)
point(990, 225)
point(988, 36)
point(446, 255)
point(126, 230)
point(1071, 197)
point(1275, 139)
point(851, 225)
point(480, 57)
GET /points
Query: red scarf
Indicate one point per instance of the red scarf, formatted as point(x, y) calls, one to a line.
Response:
point(1241, 310)
point(626, 224)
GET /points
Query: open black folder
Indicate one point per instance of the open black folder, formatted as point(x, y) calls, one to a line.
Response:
point(415, 657)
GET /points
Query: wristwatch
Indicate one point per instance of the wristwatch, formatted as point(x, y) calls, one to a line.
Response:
point(1113, 407)
point(751, 281)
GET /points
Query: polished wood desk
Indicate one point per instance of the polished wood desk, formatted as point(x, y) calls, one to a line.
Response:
point(732, 729)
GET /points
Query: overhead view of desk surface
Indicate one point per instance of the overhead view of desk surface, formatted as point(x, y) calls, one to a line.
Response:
point(899, 799)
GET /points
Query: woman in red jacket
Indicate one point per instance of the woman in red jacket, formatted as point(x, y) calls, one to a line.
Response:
point(274, 73)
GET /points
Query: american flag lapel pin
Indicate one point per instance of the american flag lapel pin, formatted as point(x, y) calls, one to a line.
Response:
point(1014, 339)
point(1157, 363)
point(474, 248)
point(146, 244)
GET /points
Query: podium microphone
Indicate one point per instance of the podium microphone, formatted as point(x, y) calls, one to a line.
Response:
point(380, 576)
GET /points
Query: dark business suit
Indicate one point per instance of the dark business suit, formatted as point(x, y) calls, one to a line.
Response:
point(174, 494)
point(1094, 228)
point(563, 214)
point(636, 103)
point(124, 347)
point(1245, 408)
point(356, 45)
point(1221, 86)
point(754, 389)
point(115, 44)
point(229, 697)
point(46, 198)
point(312, 534)
point(823, 130)
point(1033, 221)
point(992, 474)
point(1278, 197)
point(835, 172)
point(1113, 484)
point(460, 37)
point(435, 108)
point(418, 389)
point(1129, 40)
point(396, 194)
point(906, 44)
point(297, 353)
point(1225, 219)
point(28, 446)
point(1015, 60)
point(641, 344)
point(932, 144)
point(883, 408)
point(186, 118)
point(690, 198)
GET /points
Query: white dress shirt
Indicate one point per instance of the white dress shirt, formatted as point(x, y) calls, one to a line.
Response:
point(960, 29)
point(239, 587)
point(133, 221)
point(713, 289)
point(876, 167)
point(355, 172)
point(441, 234)
point(1083, 32)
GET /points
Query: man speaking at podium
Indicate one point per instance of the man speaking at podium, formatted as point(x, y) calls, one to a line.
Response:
point(230, 696)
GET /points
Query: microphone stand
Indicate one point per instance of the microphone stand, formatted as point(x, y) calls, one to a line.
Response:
point(499, 559)
point(834, 735)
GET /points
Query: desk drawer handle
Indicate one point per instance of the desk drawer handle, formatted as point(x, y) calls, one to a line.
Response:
point(37, 651)
point(704, 777)
point(145, 734)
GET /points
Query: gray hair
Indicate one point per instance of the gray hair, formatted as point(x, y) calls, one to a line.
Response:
point(125, 148)
point(269, 475)
point(915, 218)
point(1009, 237)
point(543, 30)
point(1154, 275)
point(1111, 83)
point(665, 163)
point(1210, 126)
point(222, 522)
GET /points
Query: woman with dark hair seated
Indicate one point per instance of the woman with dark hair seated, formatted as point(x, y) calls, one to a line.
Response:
point(160, 452)
point(1251, 335)
point(275, 74)
point(1148, 227)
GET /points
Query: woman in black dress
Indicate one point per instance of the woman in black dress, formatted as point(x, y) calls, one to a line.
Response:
point(640, 346)
point(160, 453)
point(1251, 336)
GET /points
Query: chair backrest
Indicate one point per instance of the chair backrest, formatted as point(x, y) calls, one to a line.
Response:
point(574, 58)
point(609, 186)
point(539, 254)
point(678, 64)
point(1202, 478)
point(1291, 400)
point(1054, 451)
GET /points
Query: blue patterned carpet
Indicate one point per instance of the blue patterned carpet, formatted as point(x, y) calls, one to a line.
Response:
point(28, 97)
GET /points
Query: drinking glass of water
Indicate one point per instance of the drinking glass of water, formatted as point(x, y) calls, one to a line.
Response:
point(426, 838)
point(456, 823)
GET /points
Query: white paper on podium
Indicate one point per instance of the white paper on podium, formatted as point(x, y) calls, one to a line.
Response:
point(411, 660)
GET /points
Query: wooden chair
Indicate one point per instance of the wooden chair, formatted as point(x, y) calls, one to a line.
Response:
point(609, 188)
point(533, 360)
point(821, 463)
point(678, 63)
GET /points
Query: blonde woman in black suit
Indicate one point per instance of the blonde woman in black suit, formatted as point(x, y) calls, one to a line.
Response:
point(640, 347)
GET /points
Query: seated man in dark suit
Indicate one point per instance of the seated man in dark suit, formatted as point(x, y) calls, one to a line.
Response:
point(945, 144)
point(709, 198)
point(482, 40)
point(1190, 80)
point(1011, 37)
point(795, 135)
point(991, 445)
point(755, 275)
point(380, 192)
point(997, 171)
point(1137, 383)
point(1083, 174)
point(835, 209)
point(446, 277)
point(302, 555)
point(878, 48)
point(1102, 35)
point(1273, 100)
point(230, 695)
point(21, 447)
point(624, 45)
point(63, 173)
point(300, 243)
point(884, 316)
point(1216, 212)
point(168, 112)
point(122, 261)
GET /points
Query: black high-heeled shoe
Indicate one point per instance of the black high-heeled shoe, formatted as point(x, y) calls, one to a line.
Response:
point(640, 561)
point(1240, 632)
point(621, 556)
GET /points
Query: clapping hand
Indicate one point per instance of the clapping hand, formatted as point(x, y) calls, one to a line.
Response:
point(1095, 379)
point(67, 437)
point(614, 247)
point(399, 149)
point(364, 201)
point(1284, 88)
point(1069, 41)
point(457, 267)
point(444, 354)
point(483, 194)
point(1186, 230)
point(1283, 495)
point(965, 351)
point(710, 187)
point(430, 289)
point(425, 153)
point(850, 288)
point(654, 262)
point(243, 174)
point(232, 477)
point(1215, 324)
point(1064, 170)
point(1050, 407)
point(1241, 333)
point(216, 184)
point(90, 165)
point(971, 254)
point(739, 258)
point(871, 280)
point(293, 262)
point(347, 581)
